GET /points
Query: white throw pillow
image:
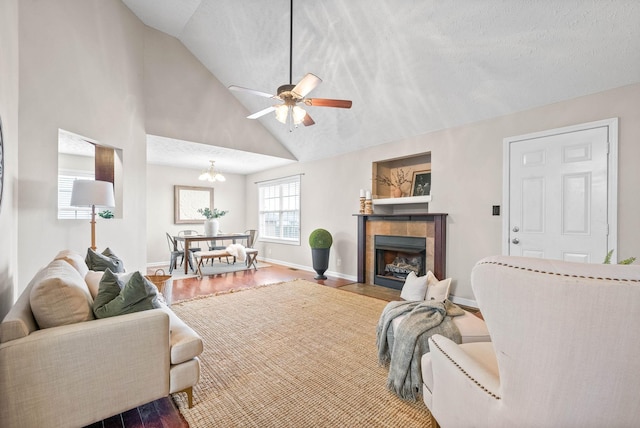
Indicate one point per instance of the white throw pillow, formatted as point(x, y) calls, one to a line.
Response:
point(74, 259)
point(60, 296)
point(414, 287)
point(437, 290)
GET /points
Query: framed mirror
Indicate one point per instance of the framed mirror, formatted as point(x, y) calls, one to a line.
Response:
point(187, 200)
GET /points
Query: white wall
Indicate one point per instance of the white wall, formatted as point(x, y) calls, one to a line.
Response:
point(81, 69)
point(227, 196)
point(466, 183)
point(185, 101)
point(9, 115)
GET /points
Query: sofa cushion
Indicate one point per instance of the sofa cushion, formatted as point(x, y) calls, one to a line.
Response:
point(116, 297)
point(60, 296)
point(92, 278)
point(103, 261)
point(414, 288)
point(75, 260)
point(437, 290)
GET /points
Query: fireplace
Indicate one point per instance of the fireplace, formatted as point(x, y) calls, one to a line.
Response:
point(430, 227)
point(396, 257)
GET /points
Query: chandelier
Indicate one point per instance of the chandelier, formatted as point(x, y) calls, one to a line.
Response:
point(211, 174)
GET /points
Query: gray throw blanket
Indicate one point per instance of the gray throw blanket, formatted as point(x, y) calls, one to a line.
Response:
point(402, 350)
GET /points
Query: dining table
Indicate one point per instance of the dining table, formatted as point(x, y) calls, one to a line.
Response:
point(188, 239)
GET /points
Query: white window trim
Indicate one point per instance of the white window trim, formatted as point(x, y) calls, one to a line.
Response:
point(263, 237)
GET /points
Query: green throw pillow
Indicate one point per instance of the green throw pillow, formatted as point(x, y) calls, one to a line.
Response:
point(104, 261)
point(138, 294)
point(108, 289)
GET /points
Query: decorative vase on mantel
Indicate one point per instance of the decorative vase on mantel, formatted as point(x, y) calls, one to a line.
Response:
point(211, 227)
point(397, 192)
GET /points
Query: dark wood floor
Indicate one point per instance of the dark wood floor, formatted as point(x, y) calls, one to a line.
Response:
point(192, 287)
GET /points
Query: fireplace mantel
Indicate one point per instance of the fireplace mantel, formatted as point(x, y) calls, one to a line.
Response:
point(435, 222)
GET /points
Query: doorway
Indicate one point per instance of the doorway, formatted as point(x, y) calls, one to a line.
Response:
point(560, 193)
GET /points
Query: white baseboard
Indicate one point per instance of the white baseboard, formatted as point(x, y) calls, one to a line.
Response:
point(463, 301)
point(308, 269)
point(157, 264)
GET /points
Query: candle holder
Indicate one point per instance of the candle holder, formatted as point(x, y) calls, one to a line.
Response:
point(368, 206)
point(361, 204)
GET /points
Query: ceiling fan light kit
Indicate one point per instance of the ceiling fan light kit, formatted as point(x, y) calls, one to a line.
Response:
point(289, 112)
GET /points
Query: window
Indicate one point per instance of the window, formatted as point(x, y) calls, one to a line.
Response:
point(65, 185)
point(279, 207)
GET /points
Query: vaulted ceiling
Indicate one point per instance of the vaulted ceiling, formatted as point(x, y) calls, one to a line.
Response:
point(410, 66)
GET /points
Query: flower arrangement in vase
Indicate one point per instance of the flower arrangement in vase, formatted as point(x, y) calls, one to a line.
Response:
point(211, 224)
point(395, 181)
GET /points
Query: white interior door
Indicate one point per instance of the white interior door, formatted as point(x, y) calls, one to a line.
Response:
point(558, 194)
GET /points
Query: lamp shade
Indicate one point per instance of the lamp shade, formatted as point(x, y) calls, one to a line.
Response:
point(86, 193)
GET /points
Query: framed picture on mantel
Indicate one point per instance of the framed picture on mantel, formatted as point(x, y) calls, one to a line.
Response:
point(188, 200)
point(421, 183)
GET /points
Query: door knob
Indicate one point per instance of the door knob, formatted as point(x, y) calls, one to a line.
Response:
point(516, 229)
point(515, 240)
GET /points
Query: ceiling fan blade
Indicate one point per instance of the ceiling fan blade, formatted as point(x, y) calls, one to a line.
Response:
point(307, 121)
point(251, 91)
point(325, 102)
point(306, 85)
point(261, 112)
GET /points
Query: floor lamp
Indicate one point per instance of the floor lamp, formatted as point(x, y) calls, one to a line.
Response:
point(92, 193)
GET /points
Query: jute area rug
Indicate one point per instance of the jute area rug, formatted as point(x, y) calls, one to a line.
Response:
point(293, 354)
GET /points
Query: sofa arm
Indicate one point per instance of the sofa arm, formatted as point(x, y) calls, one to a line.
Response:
point(466, 383)
point(77, 374)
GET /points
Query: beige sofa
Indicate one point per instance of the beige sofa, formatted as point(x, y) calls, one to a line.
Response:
point(87, 369)
point(564, 350)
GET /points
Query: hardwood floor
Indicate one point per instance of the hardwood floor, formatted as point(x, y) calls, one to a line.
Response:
point(187, 288)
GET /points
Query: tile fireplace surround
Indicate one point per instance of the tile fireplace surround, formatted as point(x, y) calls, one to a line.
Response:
point(427, 225)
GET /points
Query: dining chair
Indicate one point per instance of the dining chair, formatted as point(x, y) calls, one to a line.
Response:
point(189, 232)
point(253, 237)
point(175, 253)
point(221, 246)
point(252, 253)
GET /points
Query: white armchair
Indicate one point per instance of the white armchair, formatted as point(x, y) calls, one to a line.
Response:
point(565, 349)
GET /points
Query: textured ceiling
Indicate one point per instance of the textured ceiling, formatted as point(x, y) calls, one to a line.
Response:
point(410, 66)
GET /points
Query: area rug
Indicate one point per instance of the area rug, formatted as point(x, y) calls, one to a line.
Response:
point(215, 269)
point(294, 354)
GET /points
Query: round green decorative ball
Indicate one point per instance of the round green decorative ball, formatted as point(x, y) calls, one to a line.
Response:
point(320, 238)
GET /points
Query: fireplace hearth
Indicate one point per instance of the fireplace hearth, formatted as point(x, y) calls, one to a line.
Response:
point(396, 257)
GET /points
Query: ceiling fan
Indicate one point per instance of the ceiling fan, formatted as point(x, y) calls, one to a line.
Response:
point(291, 95)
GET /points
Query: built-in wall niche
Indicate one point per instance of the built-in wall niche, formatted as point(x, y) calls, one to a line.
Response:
point(414, 173)
point(83, 158)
